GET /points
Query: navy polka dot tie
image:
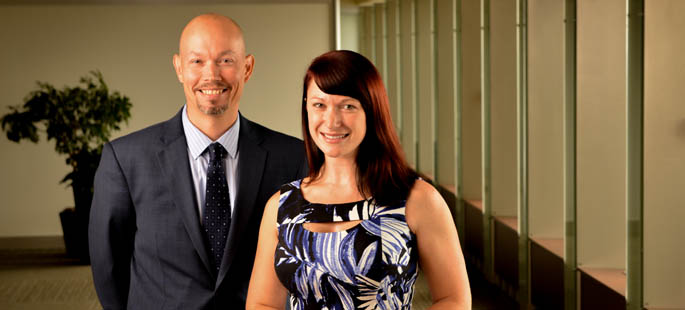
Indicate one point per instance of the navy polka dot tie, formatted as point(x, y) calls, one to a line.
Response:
point(216, 218)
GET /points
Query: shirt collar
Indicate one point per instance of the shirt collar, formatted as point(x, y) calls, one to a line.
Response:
point(197, 141)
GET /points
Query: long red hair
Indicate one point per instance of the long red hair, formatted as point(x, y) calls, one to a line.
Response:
point(382, 171)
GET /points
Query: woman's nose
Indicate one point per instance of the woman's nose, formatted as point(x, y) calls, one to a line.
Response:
point(332, 117)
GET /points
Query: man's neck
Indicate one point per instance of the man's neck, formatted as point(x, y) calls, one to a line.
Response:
point(213, 126)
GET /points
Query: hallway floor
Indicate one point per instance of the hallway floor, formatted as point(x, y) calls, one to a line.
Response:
point(33, 279)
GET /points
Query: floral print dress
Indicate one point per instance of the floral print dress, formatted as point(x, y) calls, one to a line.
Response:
point(372, 265)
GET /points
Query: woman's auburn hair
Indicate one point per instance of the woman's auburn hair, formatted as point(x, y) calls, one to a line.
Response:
point(382, 171)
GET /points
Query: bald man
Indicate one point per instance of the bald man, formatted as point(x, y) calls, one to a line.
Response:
point(177, 206)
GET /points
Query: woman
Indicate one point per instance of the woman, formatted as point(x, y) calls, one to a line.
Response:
point(350, 235)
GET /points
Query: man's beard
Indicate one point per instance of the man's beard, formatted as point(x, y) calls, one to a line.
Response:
point(218, 110)
point(213, 110)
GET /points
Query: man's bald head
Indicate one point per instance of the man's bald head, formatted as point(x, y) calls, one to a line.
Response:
point(215, 25)
point(213, 67)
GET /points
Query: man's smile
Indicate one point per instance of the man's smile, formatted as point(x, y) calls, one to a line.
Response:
point(212, 91)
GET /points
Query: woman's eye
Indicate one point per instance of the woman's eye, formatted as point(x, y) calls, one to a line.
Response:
point(317, 105)
point(349, 107)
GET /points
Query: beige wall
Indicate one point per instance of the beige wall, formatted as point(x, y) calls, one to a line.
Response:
point(471, 103)
point(545, 118)
point(601, 134)
point(503, 157)
point(445, 152)
point(380, 41)
point(664, 178)
point(408, 131)
point(367, 46)
point(425, 76)
point(393, 61)
point(132, 45)
point(349, 28)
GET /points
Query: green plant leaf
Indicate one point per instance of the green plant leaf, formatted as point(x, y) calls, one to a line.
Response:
point(79, 119)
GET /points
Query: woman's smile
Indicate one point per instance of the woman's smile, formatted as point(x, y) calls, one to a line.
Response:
point(334, 137)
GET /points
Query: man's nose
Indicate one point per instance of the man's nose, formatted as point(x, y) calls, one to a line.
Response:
point(210, 72)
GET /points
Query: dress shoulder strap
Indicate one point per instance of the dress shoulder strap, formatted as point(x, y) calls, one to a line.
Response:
point(285, 206)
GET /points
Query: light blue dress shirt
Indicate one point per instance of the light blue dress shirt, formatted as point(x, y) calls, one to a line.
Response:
point(199, 159)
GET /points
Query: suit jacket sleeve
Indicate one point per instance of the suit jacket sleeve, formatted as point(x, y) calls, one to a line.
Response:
point(111, 232)
point(304, 168)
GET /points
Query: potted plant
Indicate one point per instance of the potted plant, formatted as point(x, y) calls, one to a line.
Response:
point(80, 120)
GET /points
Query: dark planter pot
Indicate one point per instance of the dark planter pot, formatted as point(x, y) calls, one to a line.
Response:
point(75, 220)
point(75, 230)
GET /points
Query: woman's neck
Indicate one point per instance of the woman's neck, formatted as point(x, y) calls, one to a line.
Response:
point(338, 172)
point(336, 182)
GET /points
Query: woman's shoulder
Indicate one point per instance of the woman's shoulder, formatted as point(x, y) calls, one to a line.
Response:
point(423, 202)
point(422, 192)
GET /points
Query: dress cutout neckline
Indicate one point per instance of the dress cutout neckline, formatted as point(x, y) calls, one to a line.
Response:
point(317, 212)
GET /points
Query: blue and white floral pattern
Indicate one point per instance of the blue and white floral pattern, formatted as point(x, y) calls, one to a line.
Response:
point(372, 265)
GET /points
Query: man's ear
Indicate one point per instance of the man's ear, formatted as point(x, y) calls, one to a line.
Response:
point(249, 66)
point(177, 66)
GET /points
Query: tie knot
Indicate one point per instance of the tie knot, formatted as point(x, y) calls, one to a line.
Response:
point(216, 150)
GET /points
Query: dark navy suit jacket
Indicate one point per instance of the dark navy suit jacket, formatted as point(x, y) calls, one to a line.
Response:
point(146, 245)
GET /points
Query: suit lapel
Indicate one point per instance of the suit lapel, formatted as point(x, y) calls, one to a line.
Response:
point(173, 159)
point(249, 171)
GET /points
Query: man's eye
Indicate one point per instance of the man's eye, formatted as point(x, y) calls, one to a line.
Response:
point(195, 61)
point(226, 60)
